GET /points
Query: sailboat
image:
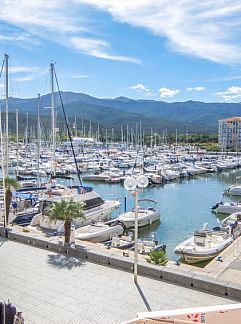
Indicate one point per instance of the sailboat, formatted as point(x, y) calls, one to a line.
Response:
point(95, 207)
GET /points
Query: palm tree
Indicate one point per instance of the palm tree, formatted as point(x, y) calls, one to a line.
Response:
point(9, 184)
point(66, 210)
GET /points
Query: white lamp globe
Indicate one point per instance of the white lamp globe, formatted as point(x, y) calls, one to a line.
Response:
point(130, 184)
point(142, 181)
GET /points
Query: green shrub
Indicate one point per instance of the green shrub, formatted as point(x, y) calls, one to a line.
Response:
point(157, 257)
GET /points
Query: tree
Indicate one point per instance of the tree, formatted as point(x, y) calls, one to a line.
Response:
point(66, 210)
point(9, 184)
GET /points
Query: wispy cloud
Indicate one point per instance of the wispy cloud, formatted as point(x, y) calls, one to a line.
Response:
point(231, 94)
point(66, 23)
point(205, 29)
point(98, 48)
point(79, 76)
point(23, 69)
point(141, 88)
point(168, 93)
point(25, 79)
point(199, 88)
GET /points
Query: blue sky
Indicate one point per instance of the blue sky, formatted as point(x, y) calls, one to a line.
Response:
point(148, 49)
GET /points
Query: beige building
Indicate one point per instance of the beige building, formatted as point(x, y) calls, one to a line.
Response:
point(229, 133)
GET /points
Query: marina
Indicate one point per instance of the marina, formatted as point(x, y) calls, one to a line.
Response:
point(183, 203)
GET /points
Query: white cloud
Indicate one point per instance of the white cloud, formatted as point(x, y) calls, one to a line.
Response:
point(80, 76)
point(199, 88)
point(231, 94)
point(205, 29)
point(23, 69)
point(58, 21)
point(141, 88)
point(97, 48)
point(24, 79)
point(168, 93)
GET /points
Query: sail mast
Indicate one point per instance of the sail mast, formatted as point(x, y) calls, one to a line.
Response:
point(17, 139)
point(38, 146)
point(6, 57)
point(53, 117)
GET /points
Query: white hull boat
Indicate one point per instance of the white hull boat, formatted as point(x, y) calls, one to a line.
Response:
point(146, 216)
point(98, 232)
point(203, 245)
point(232, 224)
point(227, 208)
point(95, 207)
point(233, 190)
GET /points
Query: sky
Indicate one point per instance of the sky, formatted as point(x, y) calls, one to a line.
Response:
point(142, 49)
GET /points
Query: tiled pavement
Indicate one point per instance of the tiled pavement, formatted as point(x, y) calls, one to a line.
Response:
point(52, 288)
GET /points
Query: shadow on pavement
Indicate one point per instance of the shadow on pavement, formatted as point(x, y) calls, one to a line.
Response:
point(143, 297)
point(62, 261)
point(2, 240)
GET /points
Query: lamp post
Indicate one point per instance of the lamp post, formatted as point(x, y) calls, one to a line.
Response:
point(132, 184)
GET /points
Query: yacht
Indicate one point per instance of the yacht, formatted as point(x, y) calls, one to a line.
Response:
point(95, 207)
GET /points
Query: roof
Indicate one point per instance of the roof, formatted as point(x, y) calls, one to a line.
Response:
point(231, 119)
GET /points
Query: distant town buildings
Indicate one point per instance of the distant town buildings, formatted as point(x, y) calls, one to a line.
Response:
point(229, 133)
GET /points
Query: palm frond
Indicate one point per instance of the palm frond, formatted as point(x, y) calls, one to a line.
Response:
point(67, 210)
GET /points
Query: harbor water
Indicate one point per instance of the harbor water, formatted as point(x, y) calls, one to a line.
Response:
point(184, 205)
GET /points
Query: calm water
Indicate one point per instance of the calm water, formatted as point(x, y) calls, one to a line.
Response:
point(184, 205)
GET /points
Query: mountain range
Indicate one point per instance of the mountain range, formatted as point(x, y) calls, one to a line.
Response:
point(192, 116)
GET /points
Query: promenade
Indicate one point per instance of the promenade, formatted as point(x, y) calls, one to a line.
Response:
point(56, 288)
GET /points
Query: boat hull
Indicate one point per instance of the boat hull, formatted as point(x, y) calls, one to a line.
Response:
point(143, 220)
point(98, 234)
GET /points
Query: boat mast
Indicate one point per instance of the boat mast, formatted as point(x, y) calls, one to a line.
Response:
point(17, 139)
point(6, 57)
point(38, 146)
point(53, 117)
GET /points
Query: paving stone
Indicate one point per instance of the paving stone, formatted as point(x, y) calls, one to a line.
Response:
point(51, 289)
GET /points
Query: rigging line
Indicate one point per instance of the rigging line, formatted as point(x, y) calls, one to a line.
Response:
point(68, 130)
point(2, 68)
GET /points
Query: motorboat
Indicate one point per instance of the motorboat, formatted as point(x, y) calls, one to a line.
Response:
point(95, 207)
point(234, 190)
point(227, 207)
point(203, 245)
point(124, 242)
point(232, 224)
point(146, 215)
point(98, 232)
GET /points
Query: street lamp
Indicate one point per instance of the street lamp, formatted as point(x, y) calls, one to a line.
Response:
point(131, 184)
